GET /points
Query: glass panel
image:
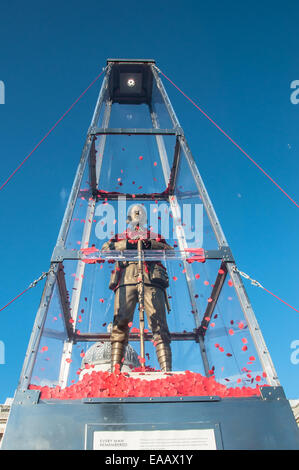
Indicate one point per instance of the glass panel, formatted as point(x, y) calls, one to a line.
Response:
point(162, 117)
point(79, 216)
point(100, 121)
point(230, 348)
point(130, 116)
point(195, 224)
point(172, 219)
point(111, 217)
point(47, 363)
point(198, 229)
point(131, 164)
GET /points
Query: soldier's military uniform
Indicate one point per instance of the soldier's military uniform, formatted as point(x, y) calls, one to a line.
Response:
point(124, 282)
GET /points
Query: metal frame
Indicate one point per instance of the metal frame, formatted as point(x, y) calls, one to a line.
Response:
point(60, 253)
point(131, 131)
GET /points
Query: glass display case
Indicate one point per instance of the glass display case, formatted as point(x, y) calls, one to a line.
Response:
point(137, 155)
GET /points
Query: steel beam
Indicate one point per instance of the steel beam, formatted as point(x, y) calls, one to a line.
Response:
point(92, 337)
point(132, 131)
point(211, 305)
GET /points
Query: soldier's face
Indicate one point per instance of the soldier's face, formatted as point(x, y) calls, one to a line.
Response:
point(137, 215)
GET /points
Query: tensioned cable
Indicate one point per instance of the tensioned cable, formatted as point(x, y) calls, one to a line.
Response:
point(33, 284)
point(51, 130)
point(15, 298)
point(233, 142)
point(280, 299)
point(258, 284)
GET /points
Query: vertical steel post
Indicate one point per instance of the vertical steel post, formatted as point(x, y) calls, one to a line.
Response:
point(141, 301)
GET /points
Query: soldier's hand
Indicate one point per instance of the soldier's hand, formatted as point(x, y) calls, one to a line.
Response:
point(157, 245)
point(119, 245)
point(132, 244)
point(107, 246)
point(147, 244)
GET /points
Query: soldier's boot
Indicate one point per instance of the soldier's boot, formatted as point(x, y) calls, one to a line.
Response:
point(164, 356)
point(117, 354)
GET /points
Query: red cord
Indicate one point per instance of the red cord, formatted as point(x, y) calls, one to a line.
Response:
point(226, 135)
point(280, 299)
point(14, 299)
point(49, 132)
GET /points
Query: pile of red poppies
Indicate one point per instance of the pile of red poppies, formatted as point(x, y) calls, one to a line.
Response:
point(105, 384)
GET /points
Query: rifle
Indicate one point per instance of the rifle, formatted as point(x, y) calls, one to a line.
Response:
point(141, 301)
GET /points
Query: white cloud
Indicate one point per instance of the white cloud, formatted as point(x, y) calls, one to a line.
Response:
point(63, 194)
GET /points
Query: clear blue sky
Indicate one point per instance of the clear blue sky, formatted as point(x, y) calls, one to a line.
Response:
point(235, 60)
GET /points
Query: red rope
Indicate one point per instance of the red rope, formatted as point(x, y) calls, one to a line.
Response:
point(226, 135)
point(280, 299)
point(52, 128)
point(14, 299)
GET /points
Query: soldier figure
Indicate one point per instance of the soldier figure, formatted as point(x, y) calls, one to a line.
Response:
point(125, 282)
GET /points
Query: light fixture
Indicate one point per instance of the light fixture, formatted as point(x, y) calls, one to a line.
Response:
point(131, 82)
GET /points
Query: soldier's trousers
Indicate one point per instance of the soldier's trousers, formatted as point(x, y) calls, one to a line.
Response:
point(126, 298)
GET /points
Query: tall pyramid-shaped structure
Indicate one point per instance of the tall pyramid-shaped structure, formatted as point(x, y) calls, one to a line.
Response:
point(219, 388)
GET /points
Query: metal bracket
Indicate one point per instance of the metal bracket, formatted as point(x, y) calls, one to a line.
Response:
point(130, 131)
point(179, 132)
point(130, 61)
point(272, 393)
point(224, 253)
point(26, 397)
point(91, 401)
point(60, 254)
point(227, 254)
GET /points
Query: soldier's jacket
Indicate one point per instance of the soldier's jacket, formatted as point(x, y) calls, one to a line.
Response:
point(126, 272)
